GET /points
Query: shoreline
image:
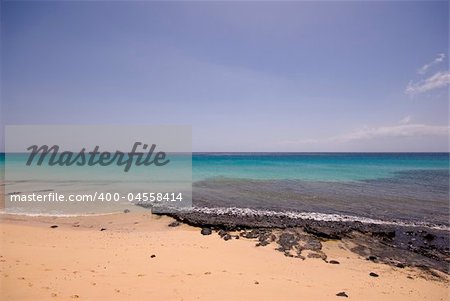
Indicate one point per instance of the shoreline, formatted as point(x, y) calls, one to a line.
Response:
point(394, 244)
point(137, 256)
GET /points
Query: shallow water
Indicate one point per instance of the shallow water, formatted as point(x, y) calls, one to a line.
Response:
point(384, 186)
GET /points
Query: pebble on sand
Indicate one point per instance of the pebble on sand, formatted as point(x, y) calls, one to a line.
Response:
point(227, 237)
point(174, 224)
point(333, 262)
point(206, 231)
point(342, 294)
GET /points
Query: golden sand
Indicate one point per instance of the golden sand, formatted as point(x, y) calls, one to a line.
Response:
point(76, 260)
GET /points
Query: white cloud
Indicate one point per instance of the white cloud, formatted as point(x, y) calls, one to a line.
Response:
point(439, 59)
point(438, 80)
point(405, 120)
point(401, 130)
point(404, 129)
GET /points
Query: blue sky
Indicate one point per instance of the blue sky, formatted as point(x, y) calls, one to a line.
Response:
point(264, 76)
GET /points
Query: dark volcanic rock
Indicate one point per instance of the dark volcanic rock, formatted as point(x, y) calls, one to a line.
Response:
point(287, 241)
point(429, 236)
point(320, 255)
point(323, 232)
point(102, 229)
point(252, 234)
point(373, 274)
point(174, 224)
point(222, 233)
point(262, 243)
point(227, 237)
point(264, 236)
point(393, 243)
point(54, 226)
point(342, 294)
point(126, 211)
point(386, 235)
point(311, 243)
point(206, 231)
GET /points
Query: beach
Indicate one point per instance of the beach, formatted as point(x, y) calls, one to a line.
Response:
point(224, 150)
point(137, 256)
point(261, 227)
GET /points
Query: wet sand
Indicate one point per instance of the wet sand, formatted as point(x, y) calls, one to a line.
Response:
point(137, 256)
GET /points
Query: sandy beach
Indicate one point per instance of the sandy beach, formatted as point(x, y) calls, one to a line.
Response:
point(137, 256)
point(224, 150)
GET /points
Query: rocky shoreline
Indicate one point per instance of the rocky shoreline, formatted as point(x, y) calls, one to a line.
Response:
point(397, 245)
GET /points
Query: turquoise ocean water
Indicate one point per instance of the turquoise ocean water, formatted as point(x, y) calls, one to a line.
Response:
point(387, 186)
point(337, 167)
